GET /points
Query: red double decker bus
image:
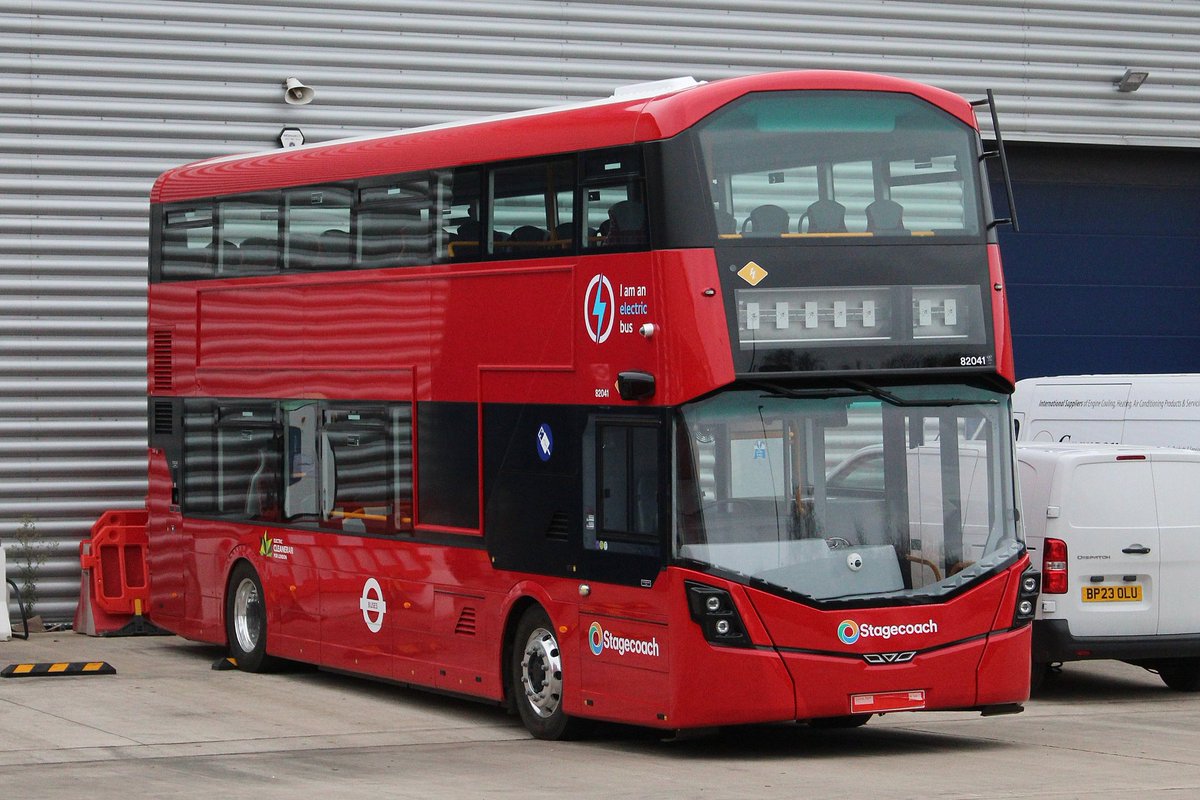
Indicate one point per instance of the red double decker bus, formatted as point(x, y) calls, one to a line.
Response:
point(688, 407)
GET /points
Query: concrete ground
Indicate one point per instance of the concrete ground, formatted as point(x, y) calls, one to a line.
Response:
point(168, 726)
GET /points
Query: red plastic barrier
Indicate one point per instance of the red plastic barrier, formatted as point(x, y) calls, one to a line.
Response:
point(116, 558)
point(115, 588)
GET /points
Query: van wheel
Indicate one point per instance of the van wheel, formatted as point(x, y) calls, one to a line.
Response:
point(246, 620)
point(1180, 674)
point(537, 678)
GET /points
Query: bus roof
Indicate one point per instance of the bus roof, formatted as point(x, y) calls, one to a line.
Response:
point(629, 116)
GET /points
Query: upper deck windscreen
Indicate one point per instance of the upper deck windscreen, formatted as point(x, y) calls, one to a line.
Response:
point(805, 165)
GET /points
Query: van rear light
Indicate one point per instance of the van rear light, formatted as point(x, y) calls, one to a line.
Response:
point(1054, 566)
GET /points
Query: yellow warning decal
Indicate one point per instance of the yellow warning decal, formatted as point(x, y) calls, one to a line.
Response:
point(752, 273)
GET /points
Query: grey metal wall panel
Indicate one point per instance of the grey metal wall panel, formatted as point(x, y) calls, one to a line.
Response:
point(97, 99)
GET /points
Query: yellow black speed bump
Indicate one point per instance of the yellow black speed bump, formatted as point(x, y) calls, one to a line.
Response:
point(59, 668)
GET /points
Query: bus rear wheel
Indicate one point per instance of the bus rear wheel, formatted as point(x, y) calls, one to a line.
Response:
point(246, 619)
point(537, 678)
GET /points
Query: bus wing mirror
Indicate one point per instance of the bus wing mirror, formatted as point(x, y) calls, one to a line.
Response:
point(635, 385)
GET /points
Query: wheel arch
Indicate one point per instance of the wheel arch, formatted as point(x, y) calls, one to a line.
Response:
point(520, 598)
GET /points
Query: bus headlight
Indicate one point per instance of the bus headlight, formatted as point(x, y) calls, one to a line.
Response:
point(1027, 595)
point(713, 610)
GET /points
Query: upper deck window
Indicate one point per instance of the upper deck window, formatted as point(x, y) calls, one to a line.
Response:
point(817, 165)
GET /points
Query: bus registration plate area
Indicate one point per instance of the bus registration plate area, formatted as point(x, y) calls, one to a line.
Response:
point(879, 702)
point(1125, 593)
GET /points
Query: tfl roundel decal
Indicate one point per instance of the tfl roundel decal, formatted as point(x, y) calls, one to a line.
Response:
point(598, 308)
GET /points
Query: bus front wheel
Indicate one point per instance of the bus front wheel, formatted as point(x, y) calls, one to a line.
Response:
point(246, 619)
point(537, 678)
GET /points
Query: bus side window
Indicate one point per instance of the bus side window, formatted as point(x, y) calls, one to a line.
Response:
point(233, 458)
point(317, 228)
point(396, 223)
point(187, 243)
point(616, 216)
point(248, 235)
point(531, 209)
point(465, 220)
point(628, 477)
point(366, 469)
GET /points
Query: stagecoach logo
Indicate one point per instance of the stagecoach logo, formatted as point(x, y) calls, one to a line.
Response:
point(598, 309)
point(372, 605)
point(600, 640)
point(850, 631)
point(270, 547)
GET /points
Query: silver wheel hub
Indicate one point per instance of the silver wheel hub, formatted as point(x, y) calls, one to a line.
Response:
point(247, 615)
point(541, 673)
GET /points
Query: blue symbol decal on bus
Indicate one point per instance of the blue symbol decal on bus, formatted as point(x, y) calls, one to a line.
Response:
point(598, 304)
point(545, 442)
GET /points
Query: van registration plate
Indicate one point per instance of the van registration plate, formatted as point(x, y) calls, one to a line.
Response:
point(1126, 593)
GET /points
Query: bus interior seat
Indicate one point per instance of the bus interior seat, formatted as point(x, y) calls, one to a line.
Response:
point(767, 220)
point(885, 217)
point(334, 247)
point(627, 223)
point(824, 216)
point(528, 233)
point(259, 252)
point(726, 223)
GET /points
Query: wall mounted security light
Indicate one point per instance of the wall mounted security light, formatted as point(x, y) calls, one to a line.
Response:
point(296, 93)
point(291, 137)
point(1131, 80)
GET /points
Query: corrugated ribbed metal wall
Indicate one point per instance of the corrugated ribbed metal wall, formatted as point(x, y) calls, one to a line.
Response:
point(96, 99)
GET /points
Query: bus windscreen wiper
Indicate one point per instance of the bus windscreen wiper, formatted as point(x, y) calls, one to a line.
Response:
point(896, 400)
point(855, 387)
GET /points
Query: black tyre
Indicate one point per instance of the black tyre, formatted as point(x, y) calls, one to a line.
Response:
point(1180, 674)
point(537, 678)
point(246, 620)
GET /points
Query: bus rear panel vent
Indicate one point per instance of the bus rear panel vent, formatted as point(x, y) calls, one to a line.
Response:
point(161, 354)
point(558, 528)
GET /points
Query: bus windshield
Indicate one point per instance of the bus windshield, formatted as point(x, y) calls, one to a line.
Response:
point(897, 492)
point(806, 165)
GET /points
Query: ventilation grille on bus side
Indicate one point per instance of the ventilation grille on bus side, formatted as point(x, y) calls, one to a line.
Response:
point(558, 527)
point(466, 622)
point(164, 418)
point(161, 370)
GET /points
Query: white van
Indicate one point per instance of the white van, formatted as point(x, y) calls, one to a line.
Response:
point(1159, 410)
point(1116, 532)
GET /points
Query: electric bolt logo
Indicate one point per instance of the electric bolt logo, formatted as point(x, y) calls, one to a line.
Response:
point(596, 638)
point(598, 306)
point(264, 546)
point(848, 631)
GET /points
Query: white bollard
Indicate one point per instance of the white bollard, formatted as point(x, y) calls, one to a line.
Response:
point(5, 624)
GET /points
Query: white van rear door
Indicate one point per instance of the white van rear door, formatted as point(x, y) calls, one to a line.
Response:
point(1110, 524)
point(1177, 491)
